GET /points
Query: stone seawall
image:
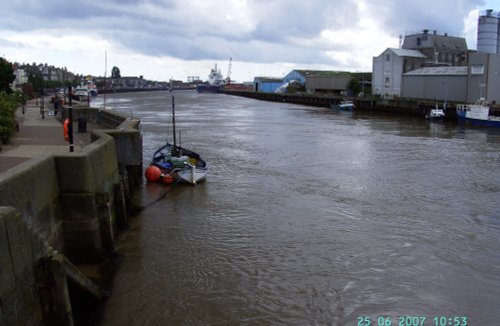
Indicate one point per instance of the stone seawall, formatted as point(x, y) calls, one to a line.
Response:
point(71, 204)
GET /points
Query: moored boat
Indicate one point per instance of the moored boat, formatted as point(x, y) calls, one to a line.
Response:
point(480, 114)
point(214, 84)
point(173, 163)
point(343, 105)
point(81, 93)
point(93, 90)
point(435, 114)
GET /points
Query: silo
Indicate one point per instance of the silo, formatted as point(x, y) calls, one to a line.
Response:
point(488, 32)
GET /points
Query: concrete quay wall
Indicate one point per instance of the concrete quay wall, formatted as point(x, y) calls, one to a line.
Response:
point(399, 106)
point(72, 204)
point(20, 297)
point(290, 98)
point(127, 136)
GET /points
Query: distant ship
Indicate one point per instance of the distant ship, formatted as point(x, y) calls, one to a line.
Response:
point(214, 84)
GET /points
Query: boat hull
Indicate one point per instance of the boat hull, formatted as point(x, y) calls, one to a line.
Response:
point(477, 115)
point(192, 174)
point(479, 122)
point(207, 89)
point(343, 105)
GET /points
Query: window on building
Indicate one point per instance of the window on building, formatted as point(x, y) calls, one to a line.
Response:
point(419, 41)
point(387, 81)
point(388, 57)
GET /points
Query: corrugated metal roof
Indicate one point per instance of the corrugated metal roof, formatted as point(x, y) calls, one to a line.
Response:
point(439, 71)
point(321, 73)
point(408, 53)
point(434, 40)
point(269, 79)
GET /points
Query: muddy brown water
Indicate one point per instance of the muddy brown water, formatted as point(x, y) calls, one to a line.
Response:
point(311, 216)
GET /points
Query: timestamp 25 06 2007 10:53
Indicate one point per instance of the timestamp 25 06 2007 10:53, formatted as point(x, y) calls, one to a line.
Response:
point(413, 321)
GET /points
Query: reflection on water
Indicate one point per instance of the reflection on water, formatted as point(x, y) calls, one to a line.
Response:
point(312, 216)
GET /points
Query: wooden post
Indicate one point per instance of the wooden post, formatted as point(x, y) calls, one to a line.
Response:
point(60, 294)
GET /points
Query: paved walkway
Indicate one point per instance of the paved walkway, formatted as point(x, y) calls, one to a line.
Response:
point(38, 136)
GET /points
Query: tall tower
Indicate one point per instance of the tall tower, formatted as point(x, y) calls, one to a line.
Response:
point(488, 32)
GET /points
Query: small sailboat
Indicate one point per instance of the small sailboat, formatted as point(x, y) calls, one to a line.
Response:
point(173, 163)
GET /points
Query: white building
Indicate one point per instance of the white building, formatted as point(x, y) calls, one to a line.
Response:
point(21, 77)
point(389, 67)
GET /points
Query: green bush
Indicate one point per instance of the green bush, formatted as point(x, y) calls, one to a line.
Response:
point(8, 105)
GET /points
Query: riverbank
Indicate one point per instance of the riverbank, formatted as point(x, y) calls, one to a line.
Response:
point(396, 106)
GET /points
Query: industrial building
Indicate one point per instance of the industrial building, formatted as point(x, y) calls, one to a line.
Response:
point(488, 32)
point(331, 84)
point(266, 84)
point(436, 83)
point(440, 50)
point(440, 67)
point(419, 50)
point(483, 78)
point(314, 81)
point(389, 67)
point(479, 79)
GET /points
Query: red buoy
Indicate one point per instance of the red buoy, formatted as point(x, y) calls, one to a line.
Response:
point(167, 178)
point(152, 173)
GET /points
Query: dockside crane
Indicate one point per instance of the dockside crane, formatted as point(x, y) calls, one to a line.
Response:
point(228, 76)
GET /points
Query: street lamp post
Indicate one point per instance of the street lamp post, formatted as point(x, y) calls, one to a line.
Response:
point(34, 88)
point(42, 105)
point(70, 117)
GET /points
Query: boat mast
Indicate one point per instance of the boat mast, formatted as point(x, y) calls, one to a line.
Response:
point(105, 79)
point(173, 120)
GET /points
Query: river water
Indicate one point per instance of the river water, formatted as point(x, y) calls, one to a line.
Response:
point(311, 216)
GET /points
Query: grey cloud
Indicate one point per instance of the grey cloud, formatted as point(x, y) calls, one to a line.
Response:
point(400, 17)
point(183, 30)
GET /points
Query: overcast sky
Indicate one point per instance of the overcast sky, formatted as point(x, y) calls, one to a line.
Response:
point(163, 39)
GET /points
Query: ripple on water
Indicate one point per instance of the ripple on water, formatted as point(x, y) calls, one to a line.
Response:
point(313, 217)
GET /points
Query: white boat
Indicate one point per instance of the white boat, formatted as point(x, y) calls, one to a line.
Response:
point(479, 114)
point(435, 114)
point(344, 105)
point(81, 92)
point(173, 163)
point(214, 84)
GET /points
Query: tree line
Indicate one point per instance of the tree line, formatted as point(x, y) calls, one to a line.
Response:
point(9, 101)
